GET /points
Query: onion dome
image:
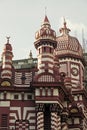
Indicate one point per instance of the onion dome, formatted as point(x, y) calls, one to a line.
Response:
point(7, 46)
point(68, 45)
point(45, 31)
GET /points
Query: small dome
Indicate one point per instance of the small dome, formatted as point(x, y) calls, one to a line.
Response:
point(67, 44)
point(45, 32)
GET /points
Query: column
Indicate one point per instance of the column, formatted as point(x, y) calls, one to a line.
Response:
point(40, 116)
point(64, 116)
point(55, 121)
point(40, 121)
point(58, 123)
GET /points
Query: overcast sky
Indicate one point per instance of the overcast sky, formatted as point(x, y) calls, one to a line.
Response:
point(20, 19)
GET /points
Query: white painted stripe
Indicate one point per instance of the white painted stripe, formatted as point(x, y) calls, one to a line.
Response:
point(6, 66)
point(46, 59)
point(12, 114)
point(18, 109)
point(28, 109)
point(6, 76)
point(11, 121)
point(4, 103)
point(31, 121)
point(32, 127)
point(6, 60)
point(6, 71)
point(50, 71)
point(30, 115)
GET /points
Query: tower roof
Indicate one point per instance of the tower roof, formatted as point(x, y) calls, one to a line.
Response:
point(46, 21)
point(68, 45)
point(45, 32)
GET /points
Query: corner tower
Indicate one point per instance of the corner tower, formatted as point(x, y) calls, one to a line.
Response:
point(70, 55)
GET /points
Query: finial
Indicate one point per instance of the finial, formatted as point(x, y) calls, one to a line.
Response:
point(8, 39)
point(45, 10)
point(30, 55)
point(64, 22)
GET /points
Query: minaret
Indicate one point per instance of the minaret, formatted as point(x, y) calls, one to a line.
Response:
point(45, 44)
point(7, 60)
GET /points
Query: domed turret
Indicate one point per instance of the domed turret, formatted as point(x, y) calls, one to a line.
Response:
point(70, 54)
point(45, 43)
point(68, 45)
point(45, 32)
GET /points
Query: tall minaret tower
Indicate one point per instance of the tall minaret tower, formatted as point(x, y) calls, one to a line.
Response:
point(45, 44)
point(7, 56)
point(46, 89)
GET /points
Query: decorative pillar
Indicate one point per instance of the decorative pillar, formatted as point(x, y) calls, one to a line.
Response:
point(55, 117)
point(64, 117)
point(53, 120)
point(58, 123)
point(40, 121)
point(40, 116)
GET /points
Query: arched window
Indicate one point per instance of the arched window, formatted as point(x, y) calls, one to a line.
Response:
point(50, 50)
point(44, 49)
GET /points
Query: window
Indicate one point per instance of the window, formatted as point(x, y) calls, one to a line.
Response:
point(44, 49)
point(29, 96)
point(16, 96)
point(4, 119)
point(50, 50)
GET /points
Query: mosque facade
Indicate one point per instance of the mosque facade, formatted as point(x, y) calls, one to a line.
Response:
point(46, 92)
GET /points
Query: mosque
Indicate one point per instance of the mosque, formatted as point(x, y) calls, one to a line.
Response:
point(47, 92)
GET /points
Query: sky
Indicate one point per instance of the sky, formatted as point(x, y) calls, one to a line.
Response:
point(20, 19)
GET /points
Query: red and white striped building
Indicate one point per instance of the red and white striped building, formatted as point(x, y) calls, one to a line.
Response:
point(47, 92)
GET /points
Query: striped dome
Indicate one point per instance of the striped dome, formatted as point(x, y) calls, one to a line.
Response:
point(68, 45)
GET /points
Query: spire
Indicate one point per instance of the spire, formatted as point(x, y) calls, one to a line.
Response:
point(65, 23)
point(30, 55)
point(45, 22)
point(64, 30)
point(46, 18)
point(8, 39)
point(45, 10)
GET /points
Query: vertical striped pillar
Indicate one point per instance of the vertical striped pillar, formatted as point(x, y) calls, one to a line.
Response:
point(54, 121)
point(64, 116)
point(58, 123)
point(40, 121)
